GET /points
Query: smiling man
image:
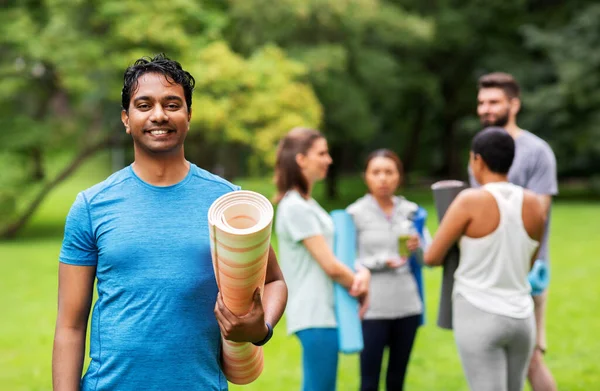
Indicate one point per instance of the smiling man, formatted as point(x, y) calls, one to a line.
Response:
point(142, 236)
point(534, 168)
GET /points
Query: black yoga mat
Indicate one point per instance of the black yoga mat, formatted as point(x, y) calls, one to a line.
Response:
point(444, 193)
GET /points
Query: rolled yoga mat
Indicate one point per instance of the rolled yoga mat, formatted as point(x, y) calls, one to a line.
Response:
point(539, 277)
point(350, 336)
point(444, 193)
point(240, 236)
point(414, 262)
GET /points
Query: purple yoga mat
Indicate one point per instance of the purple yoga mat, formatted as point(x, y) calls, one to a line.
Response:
point(444, 192)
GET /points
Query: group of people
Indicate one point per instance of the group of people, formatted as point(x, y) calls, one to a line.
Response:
point(142, 236)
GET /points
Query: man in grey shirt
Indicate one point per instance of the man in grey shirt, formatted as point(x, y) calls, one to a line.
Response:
point(534, 168)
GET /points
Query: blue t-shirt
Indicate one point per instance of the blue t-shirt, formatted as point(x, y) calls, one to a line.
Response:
point(153, 326)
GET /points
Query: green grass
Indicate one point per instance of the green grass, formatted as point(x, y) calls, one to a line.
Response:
point(29, 282)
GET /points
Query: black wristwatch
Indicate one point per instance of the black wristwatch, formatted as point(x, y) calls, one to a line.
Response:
point(267, 338)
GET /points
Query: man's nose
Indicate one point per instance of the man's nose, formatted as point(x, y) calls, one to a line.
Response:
point(159, 115)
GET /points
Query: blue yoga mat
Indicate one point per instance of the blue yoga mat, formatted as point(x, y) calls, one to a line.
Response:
point(415, 266)
point(346, 307)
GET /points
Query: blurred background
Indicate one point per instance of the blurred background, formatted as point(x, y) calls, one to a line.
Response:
point(368, 73)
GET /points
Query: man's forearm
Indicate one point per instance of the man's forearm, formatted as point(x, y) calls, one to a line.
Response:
point(274, 301)
point(546, 201)
point(67, 358)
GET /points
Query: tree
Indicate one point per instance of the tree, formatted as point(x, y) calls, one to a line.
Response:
point(357, 53)
point(564, 105)
point(62, 64)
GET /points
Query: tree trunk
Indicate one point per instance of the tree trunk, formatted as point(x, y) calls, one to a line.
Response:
point(38, 164)
point(451, 169)
point(11, 230)
point(411, 150)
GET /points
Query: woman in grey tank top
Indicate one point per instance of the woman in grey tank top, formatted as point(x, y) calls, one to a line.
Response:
point(499, 227)
point(381, 219)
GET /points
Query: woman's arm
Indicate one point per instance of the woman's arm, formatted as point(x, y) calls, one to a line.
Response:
point(453, 225)
point(336, 270)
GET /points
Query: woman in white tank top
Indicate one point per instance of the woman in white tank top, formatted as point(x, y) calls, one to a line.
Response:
point(498, 228)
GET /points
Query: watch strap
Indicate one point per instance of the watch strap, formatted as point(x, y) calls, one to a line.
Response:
point(267, 338)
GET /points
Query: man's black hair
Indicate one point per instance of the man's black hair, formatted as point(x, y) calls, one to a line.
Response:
point(158, 64)
point(496, 147)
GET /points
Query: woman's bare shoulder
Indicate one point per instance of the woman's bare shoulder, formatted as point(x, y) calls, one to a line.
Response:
point(471, 195)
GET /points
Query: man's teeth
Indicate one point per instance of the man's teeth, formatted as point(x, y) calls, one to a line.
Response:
point(158, 132)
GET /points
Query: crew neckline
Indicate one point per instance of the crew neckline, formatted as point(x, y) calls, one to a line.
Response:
point(181, 183)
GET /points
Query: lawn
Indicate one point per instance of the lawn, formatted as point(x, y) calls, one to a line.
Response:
point(29, 282)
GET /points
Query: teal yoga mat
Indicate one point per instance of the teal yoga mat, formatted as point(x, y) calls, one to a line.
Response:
point(346, 307)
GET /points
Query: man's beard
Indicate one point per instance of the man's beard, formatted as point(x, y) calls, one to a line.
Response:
point(500, 121)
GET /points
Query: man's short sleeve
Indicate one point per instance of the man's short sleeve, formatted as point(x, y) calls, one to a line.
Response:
point(300, 221)
point(79, 245)
point(543, 178)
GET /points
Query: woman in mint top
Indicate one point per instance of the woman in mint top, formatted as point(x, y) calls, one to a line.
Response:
point(305, 237)
point(395, 307)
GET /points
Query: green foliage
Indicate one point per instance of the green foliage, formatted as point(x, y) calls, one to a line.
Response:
point(369, 73)
point(351, 48)
point(252, 101)
point(62, 64)
point(566, 103)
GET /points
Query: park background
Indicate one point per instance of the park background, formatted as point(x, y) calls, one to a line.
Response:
point(368, 73)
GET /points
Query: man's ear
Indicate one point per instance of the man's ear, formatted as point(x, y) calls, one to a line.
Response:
point(515, 106)
point(125, 120)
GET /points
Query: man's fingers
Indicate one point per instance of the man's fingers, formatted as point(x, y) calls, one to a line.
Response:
point(224, 311)
point(222, 327)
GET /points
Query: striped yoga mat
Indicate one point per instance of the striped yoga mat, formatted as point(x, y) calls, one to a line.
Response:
point(240, 236)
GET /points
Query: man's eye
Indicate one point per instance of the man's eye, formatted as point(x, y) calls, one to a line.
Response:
point(173, 106)
point(143, 106)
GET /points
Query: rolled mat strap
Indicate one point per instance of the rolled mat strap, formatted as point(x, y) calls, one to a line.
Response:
point(350, 336)
point(444, 192)
point(240, 231)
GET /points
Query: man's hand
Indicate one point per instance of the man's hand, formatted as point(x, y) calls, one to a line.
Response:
point(250, 327)
point(360, 284)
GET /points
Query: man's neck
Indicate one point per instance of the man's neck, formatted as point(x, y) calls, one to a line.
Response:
point(163, 171)
point(513, 129)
